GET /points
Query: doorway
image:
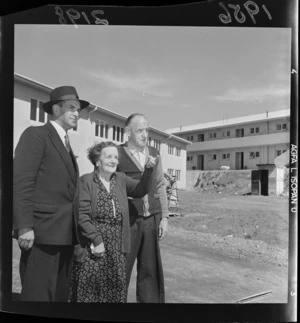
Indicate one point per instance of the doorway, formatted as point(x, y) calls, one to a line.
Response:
point(260, 182)
point(239, 160)
point(200, 162)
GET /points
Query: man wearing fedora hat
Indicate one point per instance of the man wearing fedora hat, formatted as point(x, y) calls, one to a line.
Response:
point(46, 199)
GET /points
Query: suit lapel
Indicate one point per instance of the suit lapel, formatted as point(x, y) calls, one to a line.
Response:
point(61, 149)
point(74, 161)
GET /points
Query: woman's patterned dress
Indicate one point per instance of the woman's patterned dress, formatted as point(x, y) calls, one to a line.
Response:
point(96, 279)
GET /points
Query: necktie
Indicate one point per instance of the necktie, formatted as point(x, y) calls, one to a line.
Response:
point(67, 143)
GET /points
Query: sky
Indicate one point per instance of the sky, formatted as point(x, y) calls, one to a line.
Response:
point(176, 76)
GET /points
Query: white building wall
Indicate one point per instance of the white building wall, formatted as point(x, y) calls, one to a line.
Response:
point(262, 139)
point(175, 163)
point(265, 127)
point(84, 137)
point(266, 155)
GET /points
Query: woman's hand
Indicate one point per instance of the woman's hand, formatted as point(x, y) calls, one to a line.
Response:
point(152, 161)
point(99, 250)
point(26, 238)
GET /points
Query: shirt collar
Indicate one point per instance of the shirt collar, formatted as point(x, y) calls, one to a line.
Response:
point(96, 177)
point(60, 130)
point(134, 150)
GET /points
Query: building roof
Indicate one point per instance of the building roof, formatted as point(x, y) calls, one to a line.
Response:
point(46, 88)
point(123, 118)
point(234, 121)
point(26, 80)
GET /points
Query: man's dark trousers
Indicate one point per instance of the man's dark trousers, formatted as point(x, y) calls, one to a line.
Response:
point(145, 248)
point(45, 273)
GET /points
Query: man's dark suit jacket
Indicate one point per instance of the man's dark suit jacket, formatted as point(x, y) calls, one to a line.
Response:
point(45, 187)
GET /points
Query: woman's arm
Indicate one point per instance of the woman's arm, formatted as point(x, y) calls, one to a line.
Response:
point(86, 227)
point(139, 188)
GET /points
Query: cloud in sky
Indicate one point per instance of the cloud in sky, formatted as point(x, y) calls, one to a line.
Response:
point(143, 83)
point(185, 105)
point(254, 94)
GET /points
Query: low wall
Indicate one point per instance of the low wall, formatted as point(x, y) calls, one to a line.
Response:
point(236, 180)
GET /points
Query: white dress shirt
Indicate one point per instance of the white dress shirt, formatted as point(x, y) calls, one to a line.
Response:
point(140, 156)
point(60, 130)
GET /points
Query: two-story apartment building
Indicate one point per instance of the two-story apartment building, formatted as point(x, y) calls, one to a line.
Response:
point(96, 124)
point(240, 143)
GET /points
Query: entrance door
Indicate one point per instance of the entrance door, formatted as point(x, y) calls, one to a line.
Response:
point(200, 162)
point(259, 182)
point(239, 160)
point(264, 181)
point(255, 182)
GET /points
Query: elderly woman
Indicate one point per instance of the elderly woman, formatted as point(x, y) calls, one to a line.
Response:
point(103, 225)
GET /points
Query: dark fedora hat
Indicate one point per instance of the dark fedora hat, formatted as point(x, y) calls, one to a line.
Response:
point(63, 93)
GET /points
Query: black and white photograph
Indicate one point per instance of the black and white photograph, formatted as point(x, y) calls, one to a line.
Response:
point(153, 164)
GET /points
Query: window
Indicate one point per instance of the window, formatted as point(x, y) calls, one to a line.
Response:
point(170, 171)
point(239, 132)
point(188, 138)
point(101, 129)
point(170, 149)
point(156, 144)
point(189, 158)
point(254, 130)
point(253, 154)
point(226, 156)
point(281, 126)
point(226, 133)
point(200, 137)
point(212, 157)
point(192, 138)
point(37, 112)
point(212, 135)
point(118, 133)
point(177, 152)
point(33, 109)
point(177, 174)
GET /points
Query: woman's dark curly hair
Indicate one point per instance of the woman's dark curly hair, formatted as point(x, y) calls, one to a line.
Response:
point(95, 151)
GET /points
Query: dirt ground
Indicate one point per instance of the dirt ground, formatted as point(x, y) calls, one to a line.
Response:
point(221, 248)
